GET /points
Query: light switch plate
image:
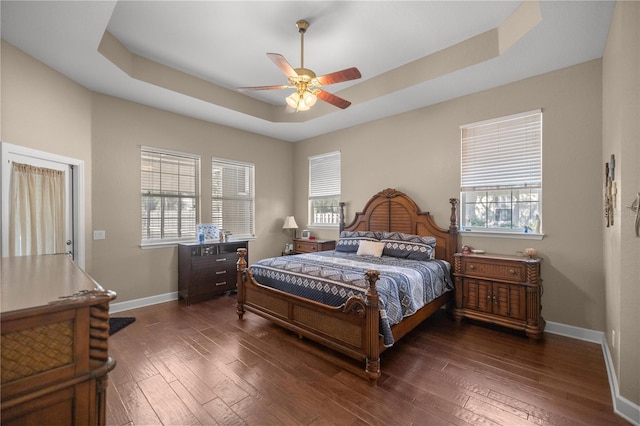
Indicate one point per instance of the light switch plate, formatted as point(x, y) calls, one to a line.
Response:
point(99, 235)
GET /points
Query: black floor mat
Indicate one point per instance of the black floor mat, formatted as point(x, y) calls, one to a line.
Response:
point(117, 324)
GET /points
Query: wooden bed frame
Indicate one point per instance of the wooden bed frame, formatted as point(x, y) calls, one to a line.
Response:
point(353, 329)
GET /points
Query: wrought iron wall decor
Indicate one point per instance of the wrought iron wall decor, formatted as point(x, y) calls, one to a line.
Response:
point(610, 190)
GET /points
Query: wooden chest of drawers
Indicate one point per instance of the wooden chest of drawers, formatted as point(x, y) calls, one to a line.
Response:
point(503, 290)
point(207, 270)
point(312, 246)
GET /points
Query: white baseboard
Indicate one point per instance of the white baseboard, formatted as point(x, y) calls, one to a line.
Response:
point(141, 303)
point(574, 332)
point(621, 406)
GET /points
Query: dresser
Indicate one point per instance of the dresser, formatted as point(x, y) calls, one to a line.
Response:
point(54, 350)
point(500, 289)
point(312, 246)
point(207, 270)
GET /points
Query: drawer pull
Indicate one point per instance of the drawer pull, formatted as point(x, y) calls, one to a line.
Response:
point(221, 272)
point(223, 259)
point(221, 283)
point(512, 271)
point(472, 267)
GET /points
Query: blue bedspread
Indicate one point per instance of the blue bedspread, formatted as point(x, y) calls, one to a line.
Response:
point(331, 277)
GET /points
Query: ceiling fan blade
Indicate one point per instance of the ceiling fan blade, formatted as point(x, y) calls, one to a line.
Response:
point(246, 89)
point(339, 76)
point(332, 99)
point(282, 63)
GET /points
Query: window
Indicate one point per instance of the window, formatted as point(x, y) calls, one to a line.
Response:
point(501, 174)
point(232, 197)
point(169, 194)
point(324, 189)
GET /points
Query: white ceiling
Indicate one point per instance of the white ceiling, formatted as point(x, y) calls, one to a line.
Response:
point(222, 44)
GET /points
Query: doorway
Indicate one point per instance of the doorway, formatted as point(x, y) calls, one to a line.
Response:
point(73, 170)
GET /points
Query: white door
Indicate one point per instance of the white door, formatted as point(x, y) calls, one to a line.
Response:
point(70, 167)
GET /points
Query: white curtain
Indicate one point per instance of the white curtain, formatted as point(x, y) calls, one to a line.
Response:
point(37, 215)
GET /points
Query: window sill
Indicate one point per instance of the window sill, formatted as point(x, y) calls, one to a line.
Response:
point(164, 244)
point(320, 226)
point(494, 234)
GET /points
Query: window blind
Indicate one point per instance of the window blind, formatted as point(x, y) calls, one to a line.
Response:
point(169, 192)
point(232, 197)
point(324, 176)
point(502, 154)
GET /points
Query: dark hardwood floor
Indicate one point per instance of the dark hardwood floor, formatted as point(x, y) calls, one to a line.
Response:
point(179, 365)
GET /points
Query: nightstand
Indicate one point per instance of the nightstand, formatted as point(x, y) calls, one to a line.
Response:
point(312, 246)
point(500, 289)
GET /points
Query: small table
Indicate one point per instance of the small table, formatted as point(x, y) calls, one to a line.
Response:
point(500, 289)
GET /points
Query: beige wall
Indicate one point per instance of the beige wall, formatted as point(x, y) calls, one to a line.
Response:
point(119, 129)
point(44, 110)
point(621, 137)
point(418, 152)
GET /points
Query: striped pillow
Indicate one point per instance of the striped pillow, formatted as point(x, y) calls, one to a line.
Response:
point(350, 240)
point(407, 246)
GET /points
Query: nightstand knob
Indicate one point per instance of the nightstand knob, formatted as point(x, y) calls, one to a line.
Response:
point(472, 267)
point(512, 271)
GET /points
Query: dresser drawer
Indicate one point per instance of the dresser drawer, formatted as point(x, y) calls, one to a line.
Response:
point(213, 261)
point(213, 282)
point(491, 269)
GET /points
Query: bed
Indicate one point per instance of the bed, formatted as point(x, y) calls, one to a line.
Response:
point(356, 322)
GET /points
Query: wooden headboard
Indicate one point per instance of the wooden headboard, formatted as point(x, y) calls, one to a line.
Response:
point(394, 211)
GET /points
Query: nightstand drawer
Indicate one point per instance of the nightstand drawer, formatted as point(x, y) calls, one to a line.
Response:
point(306, 247)
point(313, 246)
point(493, 270)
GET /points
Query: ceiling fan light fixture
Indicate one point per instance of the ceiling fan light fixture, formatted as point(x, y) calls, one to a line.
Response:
point(293, 100)
point(309, 98)
point(302, 102)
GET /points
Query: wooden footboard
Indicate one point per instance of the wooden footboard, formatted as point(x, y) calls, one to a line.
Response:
point(352, 329)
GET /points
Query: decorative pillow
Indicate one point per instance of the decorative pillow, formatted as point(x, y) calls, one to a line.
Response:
point(370, 248)
point(350, 240)
point(407, 246)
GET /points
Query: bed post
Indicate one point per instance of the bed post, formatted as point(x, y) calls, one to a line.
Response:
point(453, 220)
point(372, 348)
point(241, 266)
point(342, 224)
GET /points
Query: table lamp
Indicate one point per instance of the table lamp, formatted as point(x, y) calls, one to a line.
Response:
point(290, 223)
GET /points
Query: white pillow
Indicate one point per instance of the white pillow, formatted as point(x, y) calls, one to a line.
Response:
point(370, 248)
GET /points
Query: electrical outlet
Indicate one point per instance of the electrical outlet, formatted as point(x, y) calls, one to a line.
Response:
point(613, 339)
point(99, 235)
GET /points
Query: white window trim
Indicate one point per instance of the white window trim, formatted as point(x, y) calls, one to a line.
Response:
point(502, 234)
point(172, 242)
point(242, 237)
point(310, 222)
point(496, 232)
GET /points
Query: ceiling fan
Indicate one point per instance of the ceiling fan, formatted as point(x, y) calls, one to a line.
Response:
point(305, 82)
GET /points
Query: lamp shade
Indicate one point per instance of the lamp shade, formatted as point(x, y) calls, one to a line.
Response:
point(290, 223)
